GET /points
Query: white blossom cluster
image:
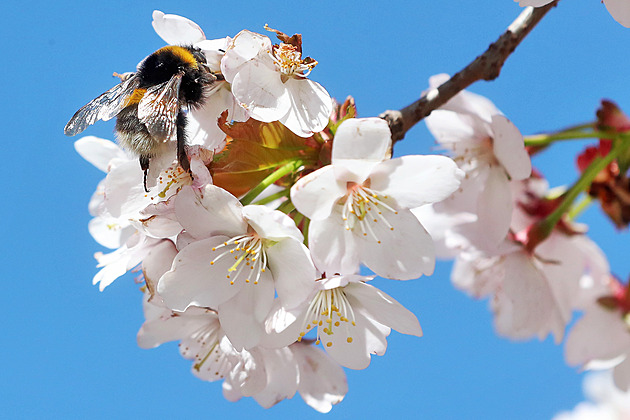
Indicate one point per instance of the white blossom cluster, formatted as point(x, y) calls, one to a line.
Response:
point(238, 285)
point(491, 228)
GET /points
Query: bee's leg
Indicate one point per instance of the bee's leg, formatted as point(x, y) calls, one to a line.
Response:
point(182, 157)
point(144, 165)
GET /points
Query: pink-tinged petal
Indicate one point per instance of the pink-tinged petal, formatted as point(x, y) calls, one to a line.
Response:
point(310, 109)
point(413, 181)
point(176, 30)
point(260, 90)
point(509, 148)
point(534, 3)
point(621, 374)
point(600, 334)
point(157, 262)
point(333, 248)
point(193, 281)
point(315, 194)
point(282, 377)
point(243, 315)
point(352, 345)
point(271, 224)
point(398, 248)
point(245, 46)
point(494, 209)
point(213, 211)
point(383, 308)
point(293, 271)
point(323, 383)
point(99, 152)
point(360, 144)
point(619, 10)
point(525, 306)
point(158, 226)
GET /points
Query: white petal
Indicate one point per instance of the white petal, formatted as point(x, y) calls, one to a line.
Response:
point(271, 224)
point(214, 211)
point(352, 345)
point(214, 50)
point(416, 180)
point(404, 253)
point(124, 192)
point(99, 152)
point(333, 248)
point(322, 382)
point(620, 11)
point(260, 90)
point(599, 334)
point(360, 144)
point(282, 377)
point(383, 308)
point(245, 46)
point(526, 306)
point(621, 376)
point(176, 30)
point(466, 102)
point(194, 281)
point(171, 327)
point(157, 262)
point(242, 316)
point(509, 148)
point(293, 271)
point(315, 194)
point(310, 109)
point(494, 209)
point(109, 231)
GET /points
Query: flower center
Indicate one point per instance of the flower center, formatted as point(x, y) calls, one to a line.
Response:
point(249, 255)
point(169, 183)
point(363, 208)
point(289, 61)
point(328, 311)
point(205, 350)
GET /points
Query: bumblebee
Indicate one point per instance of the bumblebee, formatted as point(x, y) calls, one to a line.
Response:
point(151, 104)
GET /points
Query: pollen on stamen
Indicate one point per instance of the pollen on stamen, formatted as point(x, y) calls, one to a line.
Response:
point(329, 344)
point(349, 339)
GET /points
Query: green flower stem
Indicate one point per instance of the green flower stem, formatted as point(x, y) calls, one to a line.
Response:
point(581, 185)
point(546, 139)
point(275, 196)
point(582, 205)
point(286, 207)
point(279, 173)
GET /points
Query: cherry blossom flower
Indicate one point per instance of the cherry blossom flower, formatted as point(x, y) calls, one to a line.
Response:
point(490, 149)
point(618, 9)
point(352, 318)
point(202, 127)
point(235, 258)
point(271, 82)
point(359, 205)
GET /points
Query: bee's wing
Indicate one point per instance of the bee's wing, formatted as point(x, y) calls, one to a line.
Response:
point(158, 108)
point(105, 107)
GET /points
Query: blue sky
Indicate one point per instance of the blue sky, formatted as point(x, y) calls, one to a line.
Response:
point(68, 350)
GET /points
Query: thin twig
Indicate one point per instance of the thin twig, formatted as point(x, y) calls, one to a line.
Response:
point(487, 66)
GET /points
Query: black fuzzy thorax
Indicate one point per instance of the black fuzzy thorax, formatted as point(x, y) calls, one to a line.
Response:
point(160, 66)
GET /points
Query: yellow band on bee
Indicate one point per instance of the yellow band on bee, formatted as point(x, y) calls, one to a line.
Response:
point(182, 53)
point(135, 97)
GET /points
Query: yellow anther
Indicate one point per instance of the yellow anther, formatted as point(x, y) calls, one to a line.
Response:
point(349, 339)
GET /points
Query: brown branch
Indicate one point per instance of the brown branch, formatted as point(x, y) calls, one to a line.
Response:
point(487, 66)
